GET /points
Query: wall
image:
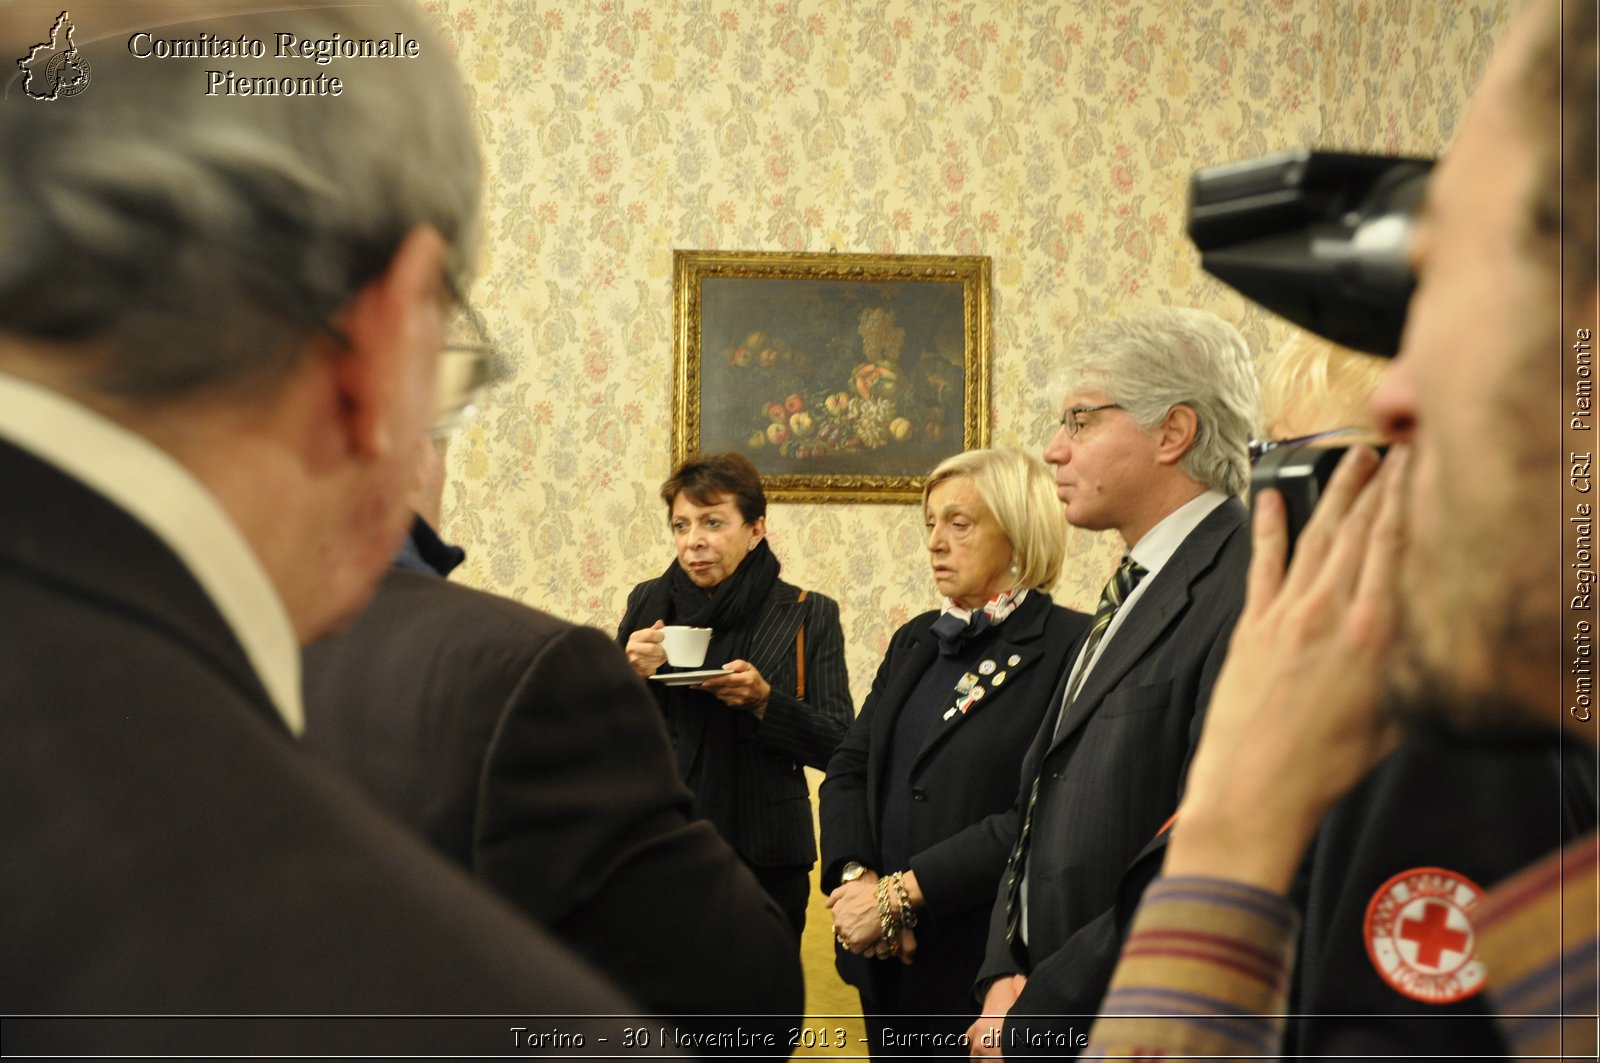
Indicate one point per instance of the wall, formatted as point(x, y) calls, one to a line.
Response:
point(1055, 136)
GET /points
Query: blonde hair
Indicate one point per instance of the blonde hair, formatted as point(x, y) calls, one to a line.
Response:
point(1020, 491)
point(1324, 385)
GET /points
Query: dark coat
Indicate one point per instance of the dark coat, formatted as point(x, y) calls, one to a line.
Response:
point(1473, 812)
point(962, 783)
point(775, 826)
point(527, 751)
point(1111, 776)
point(170, 850)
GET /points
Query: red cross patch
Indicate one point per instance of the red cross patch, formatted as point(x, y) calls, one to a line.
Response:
point(1420, 935)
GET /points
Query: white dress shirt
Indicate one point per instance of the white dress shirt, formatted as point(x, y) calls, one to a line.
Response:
point(1152, 552)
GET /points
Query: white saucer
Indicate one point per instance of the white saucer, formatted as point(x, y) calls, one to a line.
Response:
point(688, 679)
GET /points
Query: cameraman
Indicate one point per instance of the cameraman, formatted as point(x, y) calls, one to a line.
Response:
point(1420, 595)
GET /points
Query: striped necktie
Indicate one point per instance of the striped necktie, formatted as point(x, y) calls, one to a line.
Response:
point(1117, 589)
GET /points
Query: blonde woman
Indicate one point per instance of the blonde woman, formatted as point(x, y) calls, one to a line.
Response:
point(908, 855)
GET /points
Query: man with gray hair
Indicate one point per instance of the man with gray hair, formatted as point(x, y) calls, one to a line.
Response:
point(220, 328)
point(1153, 444)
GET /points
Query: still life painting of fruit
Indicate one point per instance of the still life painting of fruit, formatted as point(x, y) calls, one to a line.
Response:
point(835, 377)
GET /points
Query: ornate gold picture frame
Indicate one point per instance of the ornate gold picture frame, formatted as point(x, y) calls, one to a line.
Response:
point(844, 378)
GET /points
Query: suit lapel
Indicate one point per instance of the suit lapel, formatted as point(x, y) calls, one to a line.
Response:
point(1016, 648)
point(772, 641)
point(78, 538)
point(1162, 603)
point(918, 655)
point(1166, 599)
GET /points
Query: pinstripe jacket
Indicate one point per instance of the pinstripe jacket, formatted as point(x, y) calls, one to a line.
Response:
point(774, 828)
point(1112, 772)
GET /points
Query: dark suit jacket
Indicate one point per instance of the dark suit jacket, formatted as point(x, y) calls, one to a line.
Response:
point(1111, 777)
point(962, 783)
point(170, 850)
point(775, 828)
point(526, 750)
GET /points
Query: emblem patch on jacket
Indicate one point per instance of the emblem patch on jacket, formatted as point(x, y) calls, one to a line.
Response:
point(1420, 935)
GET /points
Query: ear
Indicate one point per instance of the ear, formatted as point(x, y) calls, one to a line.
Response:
point(387, 376)
point(1175, 434)
point(759, 529)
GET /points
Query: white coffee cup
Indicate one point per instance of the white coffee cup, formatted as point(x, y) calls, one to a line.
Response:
point(685, 646)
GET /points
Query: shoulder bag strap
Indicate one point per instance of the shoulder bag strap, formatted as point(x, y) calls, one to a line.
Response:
point(800, 655)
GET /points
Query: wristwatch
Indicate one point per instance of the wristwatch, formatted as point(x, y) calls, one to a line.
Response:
point(851, 872)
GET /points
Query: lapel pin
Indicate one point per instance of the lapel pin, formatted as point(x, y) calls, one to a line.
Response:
point(1000, 677)
point(1014, 660)
point(986, 668)
point(965, 683)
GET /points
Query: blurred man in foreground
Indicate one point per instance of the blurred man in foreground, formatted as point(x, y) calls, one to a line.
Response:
point(220, 326)
point(527, 751)
point(1428, 589)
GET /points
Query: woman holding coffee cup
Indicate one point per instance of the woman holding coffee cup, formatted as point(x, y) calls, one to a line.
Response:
point(775, 695)
point(910, 847)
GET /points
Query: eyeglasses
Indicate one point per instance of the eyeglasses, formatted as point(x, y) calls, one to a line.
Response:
point(1260, 448)
point(1070, 422)
point(469, 364)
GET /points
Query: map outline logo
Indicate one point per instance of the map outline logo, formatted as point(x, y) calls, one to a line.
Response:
point(64, 73)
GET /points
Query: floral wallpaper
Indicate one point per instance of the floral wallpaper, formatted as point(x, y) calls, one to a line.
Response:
point(1056, 136)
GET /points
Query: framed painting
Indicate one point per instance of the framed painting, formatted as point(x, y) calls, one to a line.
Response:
point(843, 378)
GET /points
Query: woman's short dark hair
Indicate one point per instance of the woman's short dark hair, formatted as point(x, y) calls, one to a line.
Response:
point(706, 478)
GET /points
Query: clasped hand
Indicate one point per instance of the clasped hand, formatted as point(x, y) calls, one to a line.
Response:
point(857, 925)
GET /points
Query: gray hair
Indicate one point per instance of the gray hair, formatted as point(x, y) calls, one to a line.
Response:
point(192, 239)
point(1020, 491)
point(1151, 361)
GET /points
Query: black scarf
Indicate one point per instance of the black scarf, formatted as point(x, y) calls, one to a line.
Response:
point(729, 609)
point(704, 730)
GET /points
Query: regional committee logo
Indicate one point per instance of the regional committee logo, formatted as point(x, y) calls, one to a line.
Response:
point(1420, 935)
point(55, 68)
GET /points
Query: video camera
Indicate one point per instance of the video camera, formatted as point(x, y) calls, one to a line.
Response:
point(1319, 238)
